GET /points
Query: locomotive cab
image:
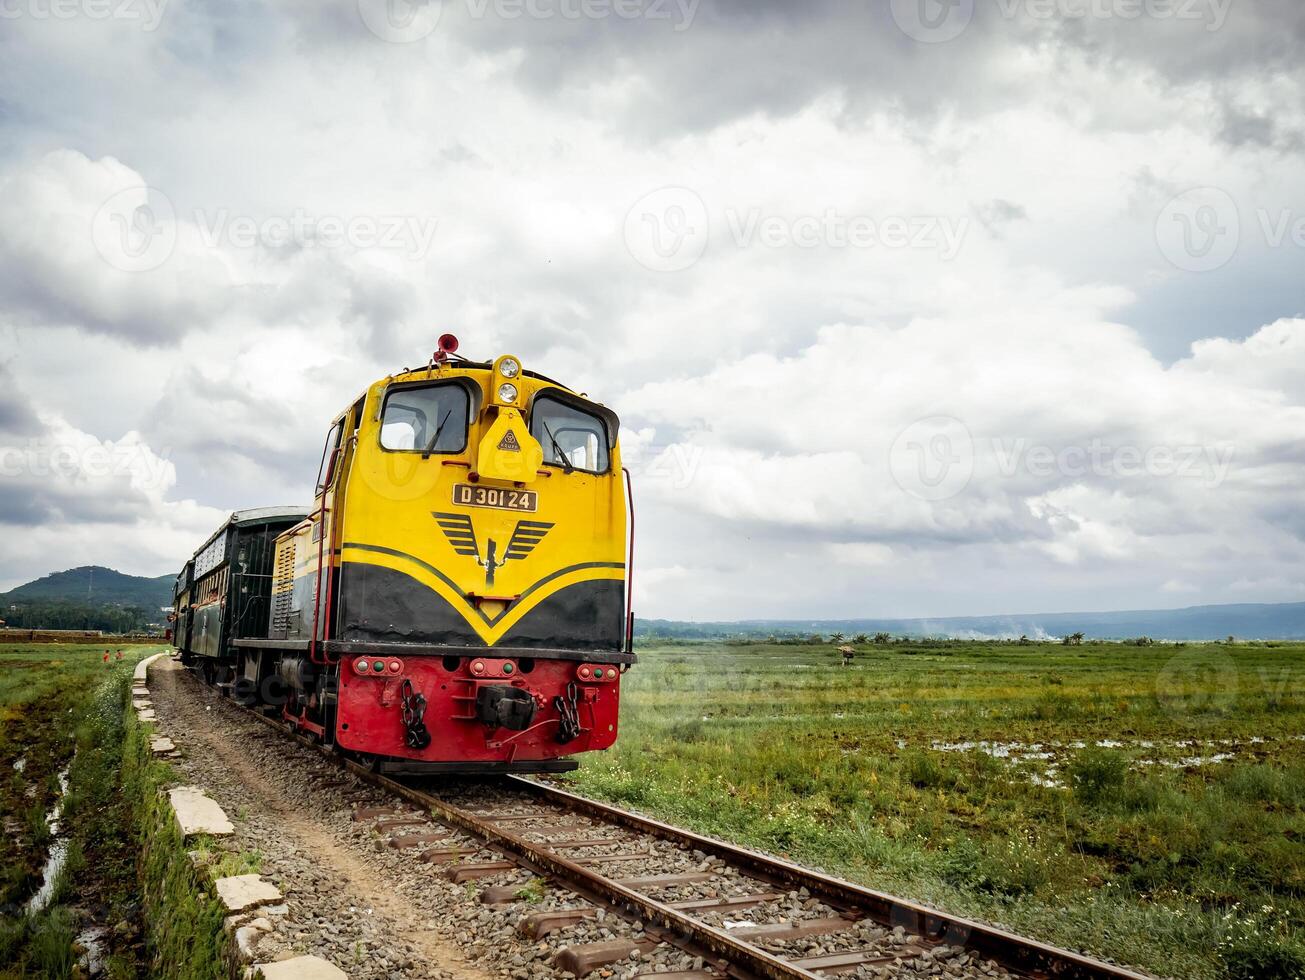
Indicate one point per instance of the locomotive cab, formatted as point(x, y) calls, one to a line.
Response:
point(457, 598)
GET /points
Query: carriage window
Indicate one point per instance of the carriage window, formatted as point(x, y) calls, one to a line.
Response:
point(570, 436)
point(432, 419)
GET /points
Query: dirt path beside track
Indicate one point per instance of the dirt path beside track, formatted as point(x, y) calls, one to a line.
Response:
point(293, 809)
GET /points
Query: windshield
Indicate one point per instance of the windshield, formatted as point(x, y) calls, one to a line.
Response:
point(430, 419)
point(570, 436)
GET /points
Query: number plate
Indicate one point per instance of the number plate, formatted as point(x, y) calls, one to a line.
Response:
point(472, 495)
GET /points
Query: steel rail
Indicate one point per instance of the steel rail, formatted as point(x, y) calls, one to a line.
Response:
point(1028, 956)
point(728, 955)
point(723, 952)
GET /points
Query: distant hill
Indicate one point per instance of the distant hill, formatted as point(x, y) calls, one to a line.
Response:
point(93, 585)
point(1277, 621)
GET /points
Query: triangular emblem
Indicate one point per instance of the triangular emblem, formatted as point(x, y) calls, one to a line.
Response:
point(509, 442)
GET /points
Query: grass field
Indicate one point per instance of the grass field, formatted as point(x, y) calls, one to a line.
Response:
point(43, 691)
point(1142, 802)
point(61, 711)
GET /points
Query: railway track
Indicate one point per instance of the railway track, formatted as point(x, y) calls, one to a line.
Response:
point(738, 913)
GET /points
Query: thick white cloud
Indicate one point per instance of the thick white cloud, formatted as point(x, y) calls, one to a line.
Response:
point(1069, 452)
point(65, 493)
point(796, 401)
point(68, 253)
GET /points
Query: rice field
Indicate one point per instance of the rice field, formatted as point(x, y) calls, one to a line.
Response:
point(46, 693)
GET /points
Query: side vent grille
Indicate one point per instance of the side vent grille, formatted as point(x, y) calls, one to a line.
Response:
point(283, 587)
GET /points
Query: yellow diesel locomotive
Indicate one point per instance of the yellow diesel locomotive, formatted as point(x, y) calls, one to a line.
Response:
point(457, 599)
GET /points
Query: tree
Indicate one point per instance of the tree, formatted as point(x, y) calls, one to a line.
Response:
point(882, 638)
point(1073, 640)
point(836, 638)
point(1024, 640)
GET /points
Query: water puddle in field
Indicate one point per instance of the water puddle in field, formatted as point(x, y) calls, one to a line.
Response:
point(1040, 763)
point(1193, 760)
point(94, 950)
point(58, 855)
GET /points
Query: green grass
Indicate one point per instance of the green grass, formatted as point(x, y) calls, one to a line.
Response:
point(44, 693)
point(63, 707)
point(1142, 848)
point(128, 868)
point(183, 919)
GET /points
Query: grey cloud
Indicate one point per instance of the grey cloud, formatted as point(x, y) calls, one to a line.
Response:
point(33, 498)
point(1245, 127)
point(213, 425)
point(20, 507)
point(998, 213)
point(16, 415)
point(1240, 128)
point(382, 305)
point(735, 57)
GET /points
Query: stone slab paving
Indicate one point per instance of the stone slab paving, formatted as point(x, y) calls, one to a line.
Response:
point(197, 814)
point(141, 673)
point(301, 968)
point(241, 892)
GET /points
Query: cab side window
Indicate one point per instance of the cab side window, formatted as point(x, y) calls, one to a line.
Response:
point(571, 437)
point(326, 467)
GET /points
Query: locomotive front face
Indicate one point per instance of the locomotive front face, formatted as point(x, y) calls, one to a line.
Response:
point(478, 516)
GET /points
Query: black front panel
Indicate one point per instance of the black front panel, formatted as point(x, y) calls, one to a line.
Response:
point(380, 604)
point(584, 616)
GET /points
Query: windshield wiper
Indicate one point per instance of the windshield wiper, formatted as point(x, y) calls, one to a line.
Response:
point(430, 446)
point(567, 465)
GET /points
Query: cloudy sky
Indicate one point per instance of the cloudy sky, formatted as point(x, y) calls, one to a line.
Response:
point(909, 308)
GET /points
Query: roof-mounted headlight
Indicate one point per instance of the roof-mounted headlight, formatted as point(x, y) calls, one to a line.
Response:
point(509, 367)
point(507, 392)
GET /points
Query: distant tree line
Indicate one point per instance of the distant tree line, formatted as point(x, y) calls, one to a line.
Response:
point(55, 614)
point(673, 637)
